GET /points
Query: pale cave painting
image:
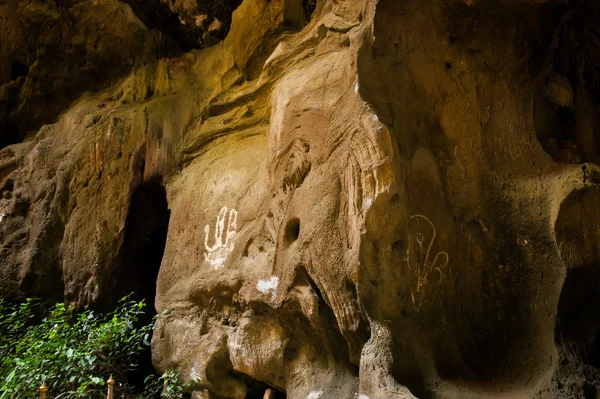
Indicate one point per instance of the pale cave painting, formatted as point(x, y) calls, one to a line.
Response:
point(224, 238)
point(426, 274)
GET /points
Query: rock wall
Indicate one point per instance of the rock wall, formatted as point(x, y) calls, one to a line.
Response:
point(336, 199)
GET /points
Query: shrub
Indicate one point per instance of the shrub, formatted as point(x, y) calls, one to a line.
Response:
point(75, 352)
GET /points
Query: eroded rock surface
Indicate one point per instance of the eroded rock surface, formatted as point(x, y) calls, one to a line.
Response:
point(334, 199)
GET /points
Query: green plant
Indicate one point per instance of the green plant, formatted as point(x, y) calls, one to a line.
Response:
point(74, 352)
point(166, 386)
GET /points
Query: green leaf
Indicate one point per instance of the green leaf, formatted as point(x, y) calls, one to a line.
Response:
point(73, 350)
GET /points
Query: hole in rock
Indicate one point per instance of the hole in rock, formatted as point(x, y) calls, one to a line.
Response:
point(258, 389)
point(247, 248)
point(9, 132)
point(339, 345)
point(577, 328)
point(309, 8)
point(136, 267)
point(9, 186)
point(406, 374)
point(579, 313)
point(398, 248)
point(18, 69)
point(292, 230)
point(182, 27)
point(567, 104)
point(145, 236)
point(261, 393)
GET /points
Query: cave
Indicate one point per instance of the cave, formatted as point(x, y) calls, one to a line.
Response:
point(579, 313)
point(261, 393)
point(258, 389)
point(577, 330)
point(136, 268)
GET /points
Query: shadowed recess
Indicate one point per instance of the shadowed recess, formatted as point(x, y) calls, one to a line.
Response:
point(577, 331)
point(137, 265)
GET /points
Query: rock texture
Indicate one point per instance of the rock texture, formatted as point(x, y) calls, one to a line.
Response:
point(334, 199)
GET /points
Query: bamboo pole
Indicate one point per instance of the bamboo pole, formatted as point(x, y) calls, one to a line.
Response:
point(110, 384)
point(43, 390)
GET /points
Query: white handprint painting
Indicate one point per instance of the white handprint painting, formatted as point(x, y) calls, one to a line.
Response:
point(224, 238)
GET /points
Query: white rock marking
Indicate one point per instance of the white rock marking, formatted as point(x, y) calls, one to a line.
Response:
point(268, 286)
point(217, 253)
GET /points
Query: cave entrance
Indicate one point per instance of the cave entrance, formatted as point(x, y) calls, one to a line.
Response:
point(135, 270)
point(578, 324)
point(263, 391)
point(145, 236)
point(577, 329)
point(258, 389)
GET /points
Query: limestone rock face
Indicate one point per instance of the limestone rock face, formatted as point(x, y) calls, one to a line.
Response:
point(339, 199)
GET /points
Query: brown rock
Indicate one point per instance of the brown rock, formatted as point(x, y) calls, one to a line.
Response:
point(559, 91)
point(53, 54)
point(345, 199)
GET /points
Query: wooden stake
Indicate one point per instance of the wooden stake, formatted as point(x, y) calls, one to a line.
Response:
point(110, 384)
point(43, 390)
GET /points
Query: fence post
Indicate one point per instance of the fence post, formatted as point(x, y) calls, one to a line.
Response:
point(43, 390)
point(110, 384)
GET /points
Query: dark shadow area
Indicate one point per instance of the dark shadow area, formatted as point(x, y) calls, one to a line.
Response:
point(405, 373)
point(220, 371)
point(157, 15)
point(567, 99)
point(18, 69)
point(292, 230)
point(579, 312)
point(136, 269)
point(257, 389)
point(138, 263)
point(183, 29)
point(258, 392)
point(577, 329)
point(309, 7)
point(342, 347)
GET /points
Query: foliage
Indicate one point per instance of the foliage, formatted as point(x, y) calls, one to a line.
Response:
point(75, 352)
point(167, 385)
